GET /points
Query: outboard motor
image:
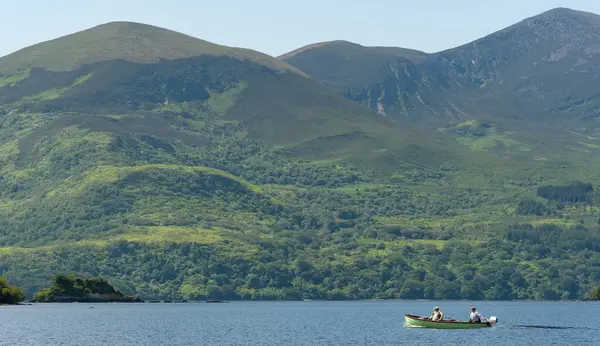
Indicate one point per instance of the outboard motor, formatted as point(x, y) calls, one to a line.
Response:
point(493, 320)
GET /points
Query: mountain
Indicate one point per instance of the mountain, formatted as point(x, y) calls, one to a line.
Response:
point(531, 82)
point(342, 64)
point(133, 42)
point(145, 66)
point(177, 168)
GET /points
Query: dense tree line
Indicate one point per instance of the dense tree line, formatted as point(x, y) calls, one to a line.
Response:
point(538, 263)
point(529, 206)
point(576, 192)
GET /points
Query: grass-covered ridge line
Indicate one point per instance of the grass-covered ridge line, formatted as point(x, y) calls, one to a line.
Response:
point(124, 40)
point(111, 174)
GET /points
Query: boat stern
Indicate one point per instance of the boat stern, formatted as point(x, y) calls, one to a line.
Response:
point(412, 323)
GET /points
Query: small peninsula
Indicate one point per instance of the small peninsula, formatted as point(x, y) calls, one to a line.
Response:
point(10, 295)
point(75, 289)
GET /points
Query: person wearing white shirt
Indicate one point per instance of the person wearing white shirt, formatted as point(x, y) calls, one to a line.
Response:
point(475, 316)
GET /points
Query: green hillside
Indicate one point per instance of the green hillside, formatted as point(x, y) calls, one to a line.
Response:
point(525, 92)
point(129, 41)
point(191, 173)
point(393, 81)
point(342, 64)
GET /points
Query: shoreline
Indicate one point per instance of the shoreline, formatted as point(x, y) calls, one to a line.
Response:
point(166, 301)
point(21, 303)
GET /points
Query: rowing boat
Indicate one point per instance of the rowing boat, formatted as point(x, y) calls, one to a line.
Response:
point(413, 321)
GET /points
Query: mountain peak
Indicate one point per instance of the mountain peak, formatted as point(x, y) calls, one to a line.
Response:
point(562, 11)
point(315, 45)
point(562, 16)
point(351, 48)
point(559, 29)
point(131, 41)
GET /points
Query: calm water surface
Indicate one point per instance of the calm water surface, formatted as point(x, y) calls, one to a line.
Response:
point(294, 323)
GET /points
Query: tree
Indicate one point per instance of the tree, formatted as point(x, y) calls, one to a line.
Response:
point(10, 294)
point(595, 293)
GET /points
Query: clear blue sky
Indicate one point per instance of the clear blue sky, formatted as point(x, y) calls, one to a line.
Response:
point(275, 27)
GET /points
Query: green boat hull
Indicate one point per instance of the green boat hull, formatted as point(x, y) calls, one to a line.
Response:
point(412, 321)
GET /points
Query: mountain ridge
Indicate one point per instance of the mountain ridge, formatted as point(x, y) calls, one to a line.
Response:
point(303, 113)
point(474, 80)
point(552, 13)
point(347, 43)
point(131, 41)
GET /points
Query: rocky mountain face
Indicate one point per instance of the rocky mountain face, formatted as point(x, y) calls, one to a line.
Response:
point(542, 68)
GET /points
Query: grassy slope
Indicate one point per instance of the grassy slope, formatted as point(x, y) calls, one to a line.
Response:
point(133, 42)
point(335, 63)
point(394, 80)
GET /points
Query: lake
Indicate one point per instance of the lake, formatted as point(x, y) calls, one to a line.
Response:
point(294, 323)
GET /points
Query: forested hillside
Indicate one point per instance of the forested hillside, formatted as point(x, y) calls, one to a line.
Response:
point(177, 168)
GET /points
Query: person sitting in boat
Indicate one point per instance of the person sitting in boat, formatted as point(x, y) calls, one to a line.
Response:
point(475, 316)
point(437, 315)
